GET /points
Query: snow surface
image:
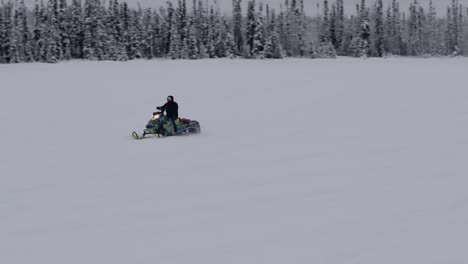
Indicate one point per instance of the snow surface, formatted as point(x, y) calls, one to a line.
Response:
point(299, 161)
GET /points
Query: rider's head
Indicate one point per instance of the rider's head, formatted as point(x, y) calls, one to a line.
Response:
point(170, 98)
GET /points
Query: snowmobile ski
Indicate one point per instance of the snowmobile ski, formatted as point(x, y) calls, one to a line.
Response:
point(136, 136)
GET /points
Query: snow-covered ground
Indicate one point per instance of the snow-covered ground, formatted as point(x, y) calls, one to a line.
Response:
point(299, 161)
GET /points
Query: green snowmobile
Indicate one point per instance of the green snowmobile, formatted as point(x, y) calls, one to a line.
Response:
point(161, 126)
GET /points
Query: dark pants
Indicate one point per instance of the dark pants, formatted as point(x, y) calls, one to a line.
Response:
point(173, 119)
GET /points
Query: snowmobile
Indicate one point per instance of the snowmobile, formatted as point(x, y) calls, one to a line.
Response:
point(160, 126)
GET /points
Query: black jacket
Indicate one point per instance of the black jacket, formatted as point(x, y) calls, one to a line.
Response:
point(171, 108)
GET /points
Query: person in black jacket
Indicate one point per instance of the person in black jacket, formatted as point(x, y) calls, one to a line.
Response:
point(172, 110)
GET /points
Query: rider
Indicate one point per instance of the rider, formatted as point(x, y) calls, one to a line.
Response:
point(172, 110)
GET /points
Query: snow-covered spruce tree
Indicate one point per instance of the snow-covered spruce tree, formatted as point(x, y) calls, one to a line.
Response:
point(194, 32)
point(9, 48)
point(218, 34)
point(237, 25)
point(365, 33)
point(292, 27)
point(15, 48)
point(423, 38)
point(76, 29)
point(325, 25)
point(282, 28)
point(404, 47)
point(457, 27)
point(146, 34)
point(364, 36)
point(427, 28)
point(288, 31)
point(111, 33)
point(16, 36)
point(212, 35)
point(441, 32)
point(54, 52)
point(326, 51)
point(251, 26)
point(192, 41)
point(24, 32)
point(165, 34)
point(258, 50)
point(349, 31)
point(462, 30)
point(182, 27)
point(285, 24)
point(182, 20)
point(89, 34)
point(332, 30)
point(312, 50)
point(115, 28)
point(273, 48)
point(64, 23)
point(156, 34)
point(200, 27)
point(395, 34)
point(449, 35)
point(392, 30)
point(136, 35)
point(175, 44)
point(340, 27)
point(378, 39)
point(38, 44)
point(326, 48)
point(102, 39)
point(301, 25)
point(230, 44)
point(360, 44)
point(266, 22)
point(388, 28)
point(203, 30)
point(2, 34)
point(454, 29)
point(414, 30)
point(126, 35)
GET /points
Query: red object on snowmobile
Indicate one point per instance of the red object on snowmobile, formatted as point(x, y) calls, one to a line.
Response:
point(184, 121)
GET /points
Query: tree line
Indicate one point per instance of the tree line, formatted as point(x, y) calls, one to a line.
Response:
point(60, 30)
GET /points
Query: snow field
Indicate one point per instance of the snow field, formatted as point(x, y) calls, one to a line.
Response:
point(299, 161)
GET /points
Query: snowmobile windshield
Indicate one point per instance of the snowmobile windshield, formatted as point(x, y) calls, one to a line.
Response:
point(155, 117)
